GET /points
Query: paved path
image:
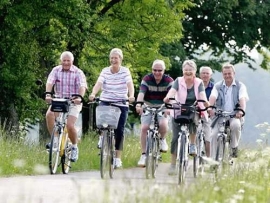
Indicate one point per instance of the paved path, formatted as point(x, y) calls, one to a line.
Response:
point(128, 185)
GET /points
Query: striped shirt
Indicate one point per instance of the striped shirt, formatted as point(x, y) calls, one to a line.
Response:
point(67, 82)
point(154, 93)
point(114, 85)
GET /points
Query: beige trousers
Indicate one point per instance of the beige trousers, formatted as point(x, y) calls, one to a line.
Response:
point(236, 128)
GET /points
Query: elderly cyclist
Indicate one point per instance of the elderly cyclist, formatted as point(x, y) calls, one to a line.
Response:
point(205, 74)
point(66, 80)
point(228, 94)
point(153, 89)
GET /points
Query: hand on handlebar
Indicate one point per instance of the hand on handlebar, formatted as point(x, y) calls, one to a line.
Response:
point(76, 100)
point(48, 99)
point(91, 97)
point(239, 114)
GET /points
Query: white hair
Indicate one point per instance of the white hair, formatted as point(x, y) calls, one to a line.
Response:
point(206, 68)
point(67, 53)
point(190, 63)
point(228, 66)
point(160, 62)
point(117, 51)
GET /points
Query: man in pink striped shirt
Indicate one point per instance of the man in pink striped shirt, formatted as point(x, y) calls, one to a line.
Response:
point(66, 80)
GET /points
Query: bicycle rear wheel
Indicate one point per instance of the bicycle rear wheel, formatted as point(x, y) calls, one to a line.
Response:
point(111, 155)
point(66, 153)
point(54, 150)
point(182, 162)
point(149, 155)
point(104, 155)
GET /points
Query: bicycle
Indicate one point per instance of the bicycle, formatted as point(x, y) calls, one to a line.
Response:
point(107, 118)
point(224, 149)
point(198, 161)
point(183, 116)
point(60, 145)
point(153, 155)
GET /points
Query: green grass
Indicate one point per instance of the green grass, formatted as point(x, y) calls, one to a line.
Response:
point(21, 159)
point(247, 181)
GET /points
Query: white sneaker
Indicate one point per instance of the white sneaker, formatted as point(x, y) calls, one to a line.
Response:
point(163, 145)
point(142, 161)
point(74, 154)
point(117, 163)
point(99, 142)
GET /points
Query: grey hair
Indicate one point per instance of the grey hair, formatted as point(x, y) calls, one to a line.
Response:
point(117, 51)
point(228, 66)
point(160, 62)
point(190, 63)
point(67, 53)
point(206, 68)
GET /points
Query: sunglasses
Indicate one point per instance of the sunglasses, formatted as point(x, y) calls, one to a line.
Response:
point(155, 70)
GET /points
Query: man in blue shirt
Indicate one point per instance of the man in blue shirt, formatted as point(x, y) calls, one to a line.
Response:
point(206, 74)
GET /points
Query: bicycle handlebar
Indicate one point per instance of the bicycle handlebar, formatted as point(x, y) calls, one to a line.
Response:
point(97, 100)
point(220, 112)
point(73, 96)
point(170, 106)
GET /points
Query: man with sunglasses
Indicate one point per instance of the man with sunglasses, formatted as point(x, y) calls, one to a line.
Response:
point(154, 87)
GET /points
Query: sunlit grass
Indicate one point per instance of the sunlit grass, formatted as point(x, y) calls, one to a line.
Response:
point(246, 181)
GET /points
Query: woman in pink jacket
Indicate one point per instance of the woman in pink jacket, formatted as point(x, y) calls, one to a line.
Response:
point(186, 90)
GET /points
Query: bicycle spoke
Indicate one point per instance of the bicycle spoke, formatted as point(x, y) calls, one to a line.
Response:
point(65, 158)
point(104, 156)
point(149, 155)
point(112, 155)
point(54, 151)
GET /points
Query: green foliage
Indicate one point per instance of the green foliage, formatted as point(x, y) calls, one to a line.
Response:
point(34, 33)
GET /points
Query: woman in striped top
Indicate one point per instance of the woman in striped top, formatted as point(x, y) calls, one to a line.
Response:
point(116, 84)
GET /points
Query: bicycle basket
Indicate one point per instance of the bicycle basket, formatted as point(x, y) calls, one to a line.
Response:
point(185, 114)
point(59, 105)
point(107, 115)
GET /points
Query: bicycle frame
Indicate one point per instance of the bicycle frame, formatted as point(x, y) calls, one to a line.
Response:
point(107, 151)
point(152, 141)
point(60, 107)
point(224, 148)
point(182, 152)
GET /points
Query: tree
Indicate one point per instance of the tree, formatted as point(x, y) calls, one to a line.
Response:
point(33, 35)
point(226, 29)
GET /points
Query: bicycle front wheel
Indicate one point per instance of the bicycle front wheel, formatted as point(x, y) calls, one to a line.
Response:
point(111, 155)
point(182, 160)
point(220, 149)
point(104, 155)
point(65, 158)
point(156, 154)
point(54, 151)
point(149, 155)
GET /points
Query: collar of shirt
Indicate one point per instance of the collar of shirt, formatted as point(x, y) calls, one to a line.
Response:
point(233, 83)
point(72, 69)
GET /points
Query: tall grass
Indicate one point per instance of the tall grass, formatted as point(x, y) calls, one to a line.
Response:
point(18, 158)
point(247, 181)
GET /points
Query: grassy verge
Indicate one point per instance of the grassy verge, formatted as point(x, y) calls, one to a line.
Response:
point(17, 158)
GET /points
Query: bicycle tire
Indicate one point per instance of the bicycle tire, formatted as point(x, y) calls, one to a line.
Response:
point(54, 152)
point(156, 151)
point(104, 156)
point(112, 155)
point(220, 150)
point(66, 153)
point(149, 155)
point(198, 162)
point(196, 158)
point(182, 161)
